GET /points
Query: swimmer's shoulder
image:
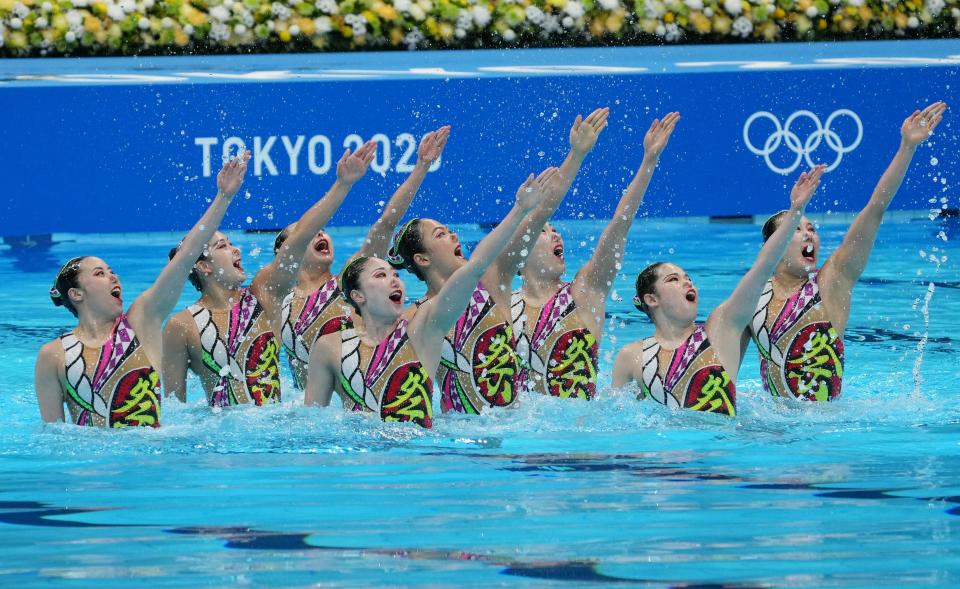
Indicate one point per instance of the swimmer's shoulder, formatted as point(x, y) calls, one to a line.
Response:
point(181, 327)
point(50, 354)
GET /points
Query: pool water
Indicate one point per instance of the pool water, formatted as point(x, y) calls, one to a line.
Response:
point(863, 492)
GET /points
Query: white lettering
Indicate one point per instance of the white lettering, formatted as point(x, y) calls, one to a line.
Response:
point(206, 143)
point(324, 167)
point(261, 156)
point(381, 161)
point(232, 146)
point(293, 151)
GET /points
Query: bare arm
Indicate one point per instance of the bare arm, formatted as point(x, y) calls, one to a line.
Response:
point(175, 359)
point(378, 238)
point(320, 378)
point(596, 277)
point(156, 303)
point(47, 383)
point(278, 277)
point(623, 367)
point(583, 137)
point(850, 259)
point(438, 314)
point(736, 311)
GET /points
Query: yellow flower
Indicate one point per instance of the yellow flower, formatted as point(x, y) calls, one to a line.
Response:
point(385, 11)
point(803, 5)
point(822, 24)
point(648, 25)
point(865, 13)
point(306, 26)
point(180, 38)
point(847, 25)
point(396, 36)
point(100, 36)
point(17, 40)
point(802, 24)
point(193, 16)
point(779, 13)
point(701, 24)
point(668, 17)
point(284, 35)
point(99, 8)
point(615, 22)
point(6, 5)
point(769, 31)
point(91, 24)
point(722, 24)
point(446, 31)
point(596, 28)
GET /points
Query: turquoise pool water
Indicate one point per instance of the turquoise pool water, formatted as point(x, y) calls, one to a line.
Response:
point(864, 492)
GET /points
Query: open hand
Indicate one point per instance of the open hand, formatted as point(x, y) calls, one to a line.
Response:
point(230, 177)
point(920, 125)
point(585, 131)
point(533, 190)
point(805, 186)
point(659, 134)
point(432, 144)
point(352, 166)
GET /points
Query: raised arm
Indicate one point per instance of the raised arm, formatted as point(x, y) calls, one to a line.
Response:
point(596, 276)
point(153, 306)
point(439, 313)
point(736, 311)
point(278, 278)
point(850, 259)
point(378, 238)
point(583, 137)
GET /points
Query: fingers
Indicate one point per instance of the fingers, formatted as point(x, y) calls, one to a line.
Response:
point(577, 123)
point(429, 137)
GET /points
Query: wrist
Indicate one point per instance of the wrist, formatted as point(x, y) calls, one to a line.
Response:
point(908, 147)
point(422, 166)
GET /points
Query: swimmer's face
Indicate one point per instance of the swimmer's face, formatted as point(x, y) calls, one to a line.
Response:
point(320, 251)
point(222, 263)
point(441, 247)
point(801, 256)
point(547, 256)
point(99, 289)
point(380, 291)
point(674, 295)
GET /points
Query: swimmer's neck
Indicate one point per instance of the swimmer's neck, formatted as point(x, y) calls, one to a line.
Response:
point(94, 331)
point(539, 288)
point(310, 279)
point(785, 281)
point(671, 335)
point(217, 297)
point(376, 329)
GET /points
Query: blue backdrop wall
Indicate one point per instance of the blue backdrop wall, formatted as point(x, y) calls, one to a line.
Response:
point(134, 145)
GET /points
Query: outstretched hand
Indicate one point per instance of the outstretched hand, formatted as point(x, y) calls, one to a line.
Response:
point(230, 177)
point(805, 186)
point(658, 134)
point(432, 144)
point(352, 166)
point(585, 131)
point(920, 125)
point(534, 189)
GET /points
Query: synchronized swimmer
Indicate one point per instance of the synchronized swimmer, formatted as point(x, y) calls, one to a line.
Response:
point(351, 336)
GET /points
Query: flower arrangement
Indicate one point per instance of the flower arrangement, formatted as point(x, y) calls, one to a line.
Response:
point(130, 27)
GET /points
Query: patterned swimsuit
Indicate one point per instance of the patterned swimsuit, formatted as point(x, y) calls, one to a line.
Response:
point(388, 379)
point(245, 363)
point(125, 388)
point(559, 357)
point(321, 314)
point(801, 354)
point(478, 363)
point(692, 378)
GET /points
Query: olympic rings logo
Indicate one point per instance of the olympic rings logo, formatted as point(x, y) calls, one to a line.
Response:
point(802, 149)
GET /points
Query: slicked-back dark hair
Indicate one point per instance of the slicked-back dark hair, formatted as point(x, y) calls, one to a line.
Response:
point(771, 224)
point(646, 281)
point(281, 237)
point(350, 279)
point(194, 274)
point(68, 277)
point(407, 243)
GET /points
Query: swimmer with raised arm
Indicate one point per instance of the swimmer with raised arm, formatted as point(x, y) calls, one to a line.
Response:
point(802, 312)
point(478, 363)
point(559, 324)
point(314, 308)
point(385, 364)
point(691, 366)
point(227, 337)
point(104, 369)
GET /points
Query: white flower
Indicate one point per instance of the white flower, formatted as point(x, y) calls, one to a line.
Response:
point(416, 12)
point(143, 23)
point(220, 13)
point(228, 3)
point(70, 37)
point(280, 11)
point(330, 6)
point(15, 23)
point(732, 6)
point(426, 5)
point(464, 20)
point(413, 38)
point(148, 4)
point(74, 19)
point(1, 39)
point(835, 2)
point(935, 6)
point(219, 32)
point(534, 14)
point(402, 5)
point(46, 7)
point(660, 30)
point(167, 22)
point(81, 3)
point(294, 30)
point(115, 12)
point(913, 22)
point(610, 4)
point(323, 24)
point(551, 24)
point(459, 33)
point(673, 32)
point(240, 29)
point(567, 22)
point(481, 15)
point(41, 23)
point(509, 35)
point(20, 10)
point(708, 12)
point(694, 4)
point(574, 9)
point(955, 12)
point(188, 30)
point(812, 11)
point(855, 3)
point(127, 6)
point(742, 27)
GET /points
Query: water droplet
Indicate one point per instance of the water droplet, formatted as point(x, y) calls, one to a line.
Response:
point(934, 161)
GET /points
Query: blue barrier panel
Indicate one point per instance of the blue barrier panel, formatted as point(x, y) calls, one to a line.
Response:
point(98, 145)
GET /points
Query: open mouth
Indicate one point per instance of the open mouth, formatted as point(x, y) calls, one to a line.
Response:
point(116, 292)
point(322, 246)
point(558, 251)
point(396, 296)
point(458, 252)
point(807, 251)
point(691, 295)
point(238, 265)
